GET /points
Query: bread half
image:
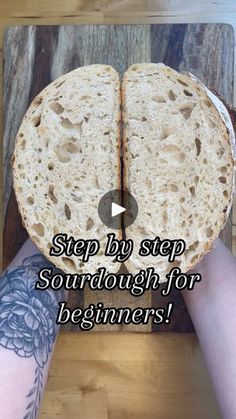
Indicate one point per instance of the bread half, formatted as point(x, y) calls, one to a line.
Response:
point(179, 162)
point(66, 158)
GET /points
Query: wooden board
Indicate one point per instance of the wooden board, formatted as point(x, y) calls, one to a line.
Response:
point(128, 376)
point(36, 55)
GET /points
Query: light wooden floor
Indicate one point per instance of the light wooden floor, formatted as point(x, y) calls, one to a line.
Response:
point(124, 376)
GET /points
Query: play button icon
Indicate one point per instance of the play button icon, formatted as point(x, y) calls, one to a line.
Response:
point(117, 209)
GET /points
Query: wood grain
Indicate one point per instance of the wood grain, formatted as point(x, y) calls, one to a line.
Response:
point(95, 11)
point(132, 376)
point(54, 50)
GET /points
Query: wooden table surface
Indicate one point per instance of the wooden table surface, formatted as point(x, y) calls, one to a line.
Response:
point(101, 376)
point(36, 55)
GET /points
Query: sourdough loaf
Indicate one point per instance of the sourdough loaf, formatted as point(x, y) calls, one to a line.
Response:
point(178, 141)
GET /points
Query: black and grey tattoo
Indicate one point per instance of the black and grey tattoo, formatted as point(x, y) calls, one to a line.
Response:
point(28, 320)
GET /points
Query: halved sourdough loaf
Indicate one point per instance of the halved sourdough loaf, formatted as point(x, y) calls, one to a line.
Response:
point(66, 158)
point(178, 162)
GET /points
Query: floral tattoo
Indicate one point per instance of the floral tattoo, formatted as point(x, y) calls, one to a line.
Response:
point(28, 320)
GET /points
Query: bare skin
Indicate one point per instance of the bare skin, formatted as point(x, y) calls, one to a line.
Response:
point(212, 306)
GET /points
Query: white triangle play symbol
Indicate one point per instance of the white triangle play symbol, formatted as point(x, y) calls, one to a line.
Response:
point(116, 209)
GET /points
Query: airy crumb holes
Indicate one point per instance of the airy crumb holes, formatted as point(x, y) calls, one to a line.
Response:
point(89, 224)
point(191, 249)
point(226, 193)
point(171, 95)
point(193, 191)
point(194, 259)
point(164, 217)
point(51, 194)
point(67, 211)
point(30, 200)
point(186, 110)
point(56, 107)
point(36, 121)
point(50, 166)
point(159, 99)
point(66, 123)
point(222, 179)
point(59, 84)
point(209, 232)
point(38, 100)
point(39, 229)
point(22, 144)
point(182, 82)
point(187, 93)
point(70, 147)
point(69, 263)
point(198, 145)
point(174, 188)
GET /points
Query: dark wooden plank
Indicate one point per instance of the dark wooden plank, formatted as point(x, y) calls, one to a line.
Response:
point(18, 61)
point(34, 56)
